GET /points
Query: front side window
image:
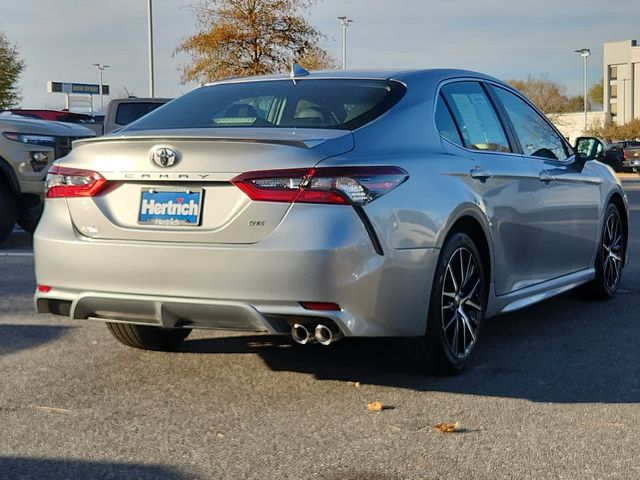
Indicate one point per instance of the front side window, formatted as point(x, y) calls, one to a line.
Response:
point(476, 117)
point(537, 137)
point(307, 103)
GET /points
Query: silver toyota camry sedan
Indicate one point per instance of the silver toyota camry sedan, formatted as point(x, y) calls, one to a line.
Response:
point(329, 205)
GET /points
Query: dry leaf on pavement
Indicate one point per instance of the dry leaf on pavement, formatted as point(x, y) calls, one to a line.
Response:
point(375, 406)
point(448, 427)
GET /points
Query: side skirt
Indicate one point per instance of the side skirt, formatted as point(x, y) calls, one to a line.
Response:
point(537, 293)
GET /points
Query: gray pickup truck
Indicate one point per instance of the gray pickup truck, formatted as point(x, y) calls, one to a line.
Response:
point(631, 156)
point(27, 149)
point(123, 111)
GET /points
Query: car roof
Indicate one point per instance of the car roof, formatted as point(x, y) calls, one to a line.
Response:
point(433, 74)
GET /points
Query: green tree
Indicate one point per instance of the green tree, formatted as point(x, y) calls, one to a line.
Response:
point(251, 37)
point(11, 67)
point(547, 95)
point(596, 94)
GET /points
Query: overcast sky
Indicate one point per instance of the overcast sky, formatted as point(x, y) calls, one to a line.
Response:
point(61, 39)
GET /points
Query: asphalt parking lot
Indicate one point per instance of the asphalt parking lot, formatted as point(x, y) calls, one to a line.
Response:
point(554, 393)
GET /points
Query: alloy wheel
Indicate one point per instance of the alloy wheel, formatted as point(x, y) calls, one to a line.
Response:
point(612, 251)
point(462, 302)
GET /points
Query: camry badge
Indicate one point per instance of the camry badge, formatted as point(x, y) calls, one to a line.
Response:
point(164, 156)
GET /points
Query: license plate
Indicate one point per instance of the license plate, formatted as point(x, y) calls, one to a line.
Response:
point(170, 206)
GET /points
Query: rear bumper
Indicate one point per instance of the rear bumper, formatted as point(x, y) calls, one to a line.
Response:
point(318, 254)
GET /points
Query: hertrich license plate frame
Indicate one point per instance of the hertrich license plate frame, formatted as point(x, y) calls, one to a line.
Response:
point(171, 206)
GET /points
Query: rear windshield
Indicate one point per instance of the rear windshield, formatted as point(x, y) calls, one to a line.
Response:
point(335, 104)
point(129, 112)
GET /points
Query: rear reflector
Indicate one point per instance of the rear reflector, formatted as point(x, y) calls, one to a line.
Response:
point(44, 288)
point(320, 306)
point(65, 182)
point(333, 185)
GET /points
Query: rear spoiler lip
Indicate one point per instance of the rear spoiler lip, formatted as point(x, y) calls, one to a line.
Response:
point(306, 143)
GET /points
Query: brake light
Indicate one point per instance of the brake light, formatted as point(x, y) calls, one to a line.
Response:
point(72, 182)
point(333, 185)
point(44, 288)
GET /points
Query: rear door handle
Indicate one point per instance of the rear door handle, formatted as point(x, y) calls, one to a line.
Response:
point(545, 176)
point(480, 174)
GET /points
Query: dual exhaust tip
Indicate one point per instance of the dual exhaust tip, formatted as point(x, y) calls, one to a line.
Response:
point(322, 334)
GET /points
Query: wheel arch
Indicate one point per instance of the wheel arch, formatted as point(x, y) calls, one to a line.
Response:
point(8, 176)
point(470, 224)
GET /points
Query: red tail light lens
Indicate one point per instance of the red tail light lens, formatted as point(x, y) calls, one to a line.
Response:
point(72, 182)
point(335, 185)
point(325, 306)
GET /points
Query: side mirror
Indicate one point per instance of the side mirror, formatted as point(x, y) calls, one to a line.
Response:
point(588, 148)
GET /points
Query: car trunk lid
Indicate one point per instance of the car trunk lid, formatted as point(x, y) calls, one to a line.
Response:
point(205, 162)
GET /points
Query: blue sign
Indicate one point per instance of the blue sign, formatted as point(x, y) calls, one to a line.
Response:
point(77, 88)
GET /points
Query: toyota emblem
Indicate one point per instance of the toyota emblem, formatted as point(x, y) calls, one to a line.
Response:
point(164, 156)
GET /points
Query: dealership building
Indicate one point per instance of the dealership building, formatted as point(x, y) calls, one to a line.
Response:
point(621, 81)
point(621, 91)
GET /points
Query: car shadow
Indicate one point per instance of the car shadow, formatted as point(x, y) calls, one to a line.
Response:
point(14, 338)
point(46, 468)
point(19, 240)
point(565, 350)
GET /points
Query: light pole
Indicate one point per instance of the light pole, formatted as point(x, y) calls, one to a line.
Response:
point(584, 53)
point(101, 68)
point(150, 41)
point(345, 23)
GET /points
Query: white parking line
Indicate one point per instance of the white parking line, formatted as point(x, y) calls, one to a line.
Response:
point(16, 254)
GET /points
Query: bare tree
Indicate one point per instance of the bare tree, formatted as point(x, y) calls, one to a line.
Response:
point(548, 96)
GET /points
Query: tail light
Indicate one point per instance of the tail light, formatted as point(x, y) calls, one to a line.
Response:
point(334, 185)
point(73, 182)
point(624, 155)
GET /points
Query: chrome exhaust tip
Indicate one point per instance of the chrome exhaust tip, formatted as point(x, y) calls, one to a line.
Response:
point(325, 336)
point(301, 334)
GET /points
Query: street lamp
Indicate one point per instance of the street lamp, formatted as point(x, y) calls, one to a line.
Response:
point(150, 37)
point(101, 69)
point(345, 23)
point(584, 53)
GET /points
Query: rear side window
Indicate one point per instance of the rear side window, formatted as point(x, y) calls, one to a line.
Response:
point(445, 124)
point(130, 112)
point(321, 103)
point(537, 137)
point(479, 124)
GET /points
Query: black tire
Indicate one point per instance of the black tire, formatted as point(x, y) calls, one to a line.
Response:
point(29, 214)
point(148, 338)
point(610, 258)
point(457, 308)
point(7, 212)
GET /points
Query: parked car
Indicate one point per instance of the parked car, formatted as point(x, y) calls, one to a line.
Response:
point(92, 122)
point(351, 203)
point(123, 111)
point(28, 147)
point(631, 154)
point(614, 155)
